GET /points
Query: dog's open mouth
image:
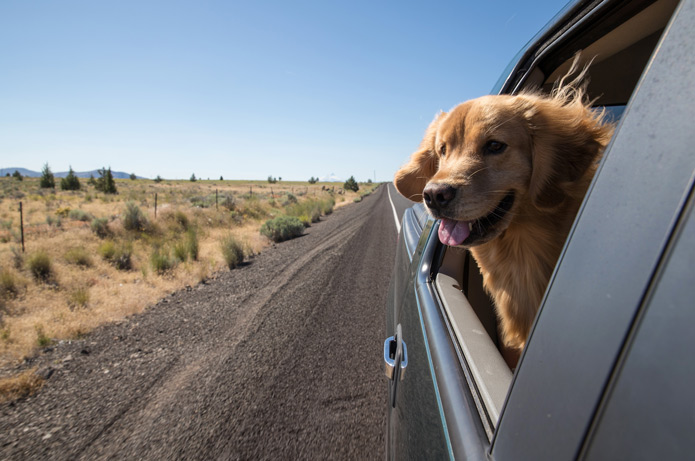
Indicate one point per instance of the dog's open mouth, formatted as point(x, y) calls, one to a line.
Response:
point(466, 233)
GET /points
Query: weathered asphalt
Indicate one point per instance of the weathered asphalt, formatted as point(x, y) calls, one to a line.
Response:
point(279, 359)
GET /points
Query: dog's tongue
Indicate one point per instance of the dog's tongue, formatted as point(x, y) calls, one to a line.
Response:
point(453, 233)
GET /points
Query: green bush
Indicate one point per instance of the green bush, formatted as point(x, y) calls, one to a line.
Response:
point(121, 255)
point(351, 184)
point(192, 245)
point(180, 251)
point(40, 266)
point(100, 226)
point(282, 228)
point(107, 250)
point(79, 257)
point(79, 215)
point(161, 261)
point(232, 251)
point(134, 219)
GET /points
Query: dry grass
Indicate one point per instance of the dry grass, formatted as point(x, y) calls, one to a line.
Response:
point(20, 386)
point(84, 289)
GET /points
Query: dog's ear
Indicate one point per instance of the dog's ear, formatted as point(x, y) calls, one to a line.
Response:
point(567, 139)
point(412, 178)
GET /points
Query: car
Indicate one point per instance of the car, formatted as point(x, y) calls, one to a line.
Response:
point(608, 369)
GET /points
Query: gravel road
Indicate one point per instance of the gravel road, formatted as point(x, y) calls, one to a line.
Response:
point(278, 359)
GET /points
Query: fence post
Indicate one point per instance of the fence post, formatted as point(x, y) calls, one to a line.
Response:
point(155, 205)
point(21, 224)
point(216, 207)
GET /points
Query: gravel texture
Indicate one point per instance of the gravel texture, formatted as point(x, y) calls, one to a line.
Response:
point(277, 359)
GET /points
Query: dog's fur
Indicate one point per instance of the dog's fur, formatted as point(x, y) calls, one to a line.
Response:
point(553, 143)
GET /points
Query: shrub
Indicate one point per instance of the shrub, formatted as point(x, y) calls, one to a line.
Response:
point(100, 226)
point(232, 251)
point(79, 257)
point(51, 221)
point(161, 261)
point(282, 228)
point(181, 219)
point(78, 298)
point(40, 266)
point(253, 208)
point(123, 256)
point(133, 218)
point(41, 338)
point(351, 184)
point(70, 182)
point(192, 245)
point(228, 202)
point(9, 285)
point(180, 251)
point(107, 250)
point(290, 200)
point(79, 215)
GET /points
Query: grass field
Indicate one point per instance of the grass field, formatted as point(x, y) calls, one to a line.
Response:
point(92, 258)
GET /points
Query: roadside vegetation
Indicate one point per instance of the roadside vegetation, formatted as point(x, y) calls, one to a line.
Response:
point(93, 255)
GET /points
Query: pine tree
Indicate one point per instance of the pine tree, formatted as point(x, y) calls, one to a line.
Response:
point(70, 182)
point(47, 179)
point(351, 184)
point(105, 183)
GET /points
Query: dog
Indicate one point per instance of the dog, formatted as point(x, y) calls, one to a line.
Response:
point(506, 175)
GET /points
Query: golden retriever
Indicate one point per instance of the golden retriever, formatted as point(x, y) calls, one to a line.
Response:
point(506, 175)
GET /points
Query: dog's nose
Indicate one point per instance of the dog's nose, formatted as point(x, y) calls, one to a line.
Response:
point(438, 196)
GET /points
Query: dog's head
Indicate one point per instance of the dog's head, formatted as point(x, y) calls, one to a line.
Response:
point(485, 159)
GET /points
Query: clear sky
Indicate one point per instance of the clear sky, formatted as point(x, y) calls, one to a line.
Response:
point(244, 90)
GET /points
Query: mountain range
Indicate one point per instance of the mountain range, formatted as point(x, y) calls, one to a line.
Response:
point(62, 174)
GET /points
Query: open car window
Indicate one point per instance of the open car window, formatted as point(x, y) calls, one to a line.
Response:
point(619, 45)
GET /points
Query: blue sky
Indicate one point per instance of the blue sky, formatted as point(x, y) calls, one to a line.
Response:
point(244, 90)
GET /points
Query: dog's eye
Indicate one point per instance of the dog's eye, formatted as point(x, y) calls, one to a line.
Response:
point(442, 150)
point(494, 147)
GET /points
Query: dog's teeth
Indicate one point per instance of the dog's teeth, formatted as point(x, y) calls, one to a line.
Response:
point(470, 226)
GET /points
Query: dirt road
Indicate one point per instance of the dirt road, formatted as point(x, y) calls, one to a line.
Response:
point(279, 359)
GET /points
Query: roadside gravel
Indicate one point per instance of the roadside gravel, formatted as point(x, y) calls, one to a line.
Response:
point(280, 358)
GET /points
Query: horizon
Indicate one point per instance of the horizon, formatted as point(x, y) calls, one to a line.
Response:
point(244, 90)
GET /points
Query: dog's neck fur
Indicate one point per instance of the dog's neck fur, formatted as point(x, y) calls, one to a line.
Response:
point(521, 260)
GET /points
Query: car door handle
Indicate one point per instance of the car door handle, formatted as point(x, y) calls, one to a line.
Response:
point(396, 361)
point(395, 358)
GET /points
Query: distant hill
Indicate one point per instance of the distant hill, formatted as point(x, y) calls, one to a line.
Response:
point(62, 174)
